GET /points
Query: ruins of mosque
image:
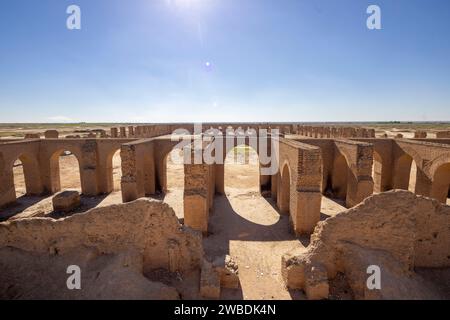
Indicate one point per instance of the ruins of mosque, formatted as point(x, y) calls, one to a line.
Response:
point(299, 165)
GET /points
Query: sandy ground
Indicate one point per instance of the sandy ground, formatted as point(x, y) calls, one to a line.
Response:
point(243, 224)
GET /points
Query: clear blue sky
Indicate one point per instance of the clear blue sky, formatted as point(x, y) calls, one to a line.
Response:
point(300, 60)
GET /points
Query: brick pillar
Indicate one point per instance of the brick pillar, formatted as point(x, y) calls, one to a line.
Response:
point(123, 132)
point(7, 190)
point(197, 188)
point(131, 131)
point(423, 183)
point(131, 183)
point(89, 183)
point(307, 196)
point(114, 133)
point(360, 182)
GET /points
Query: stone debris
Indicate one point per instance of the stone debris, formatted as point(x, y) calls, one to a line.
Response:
point(66, 201)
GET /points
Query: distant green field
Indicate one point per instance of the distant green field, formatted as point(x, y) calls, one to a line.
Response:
point(10, 134)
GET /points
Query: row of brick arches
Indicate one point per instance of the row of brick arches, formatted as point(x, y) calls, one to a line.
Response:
point(347, 170)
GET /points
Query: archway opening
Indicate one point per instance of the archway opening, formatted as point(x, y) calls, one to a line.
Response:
point(116, 162)
point(339, 178)
point(19, 179)
point(242, 201)
point(377, 173)
point(241, 171)
point(65, 171)
point(440, 189)
point(412, 177)
point(174, 171)
point(403, 173)
point(173, 188)
point(285, 194)
point(26, 177)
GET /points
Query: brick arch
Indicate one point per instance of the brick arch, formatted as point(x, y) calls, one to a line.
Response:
point(227, 151)
point(410, 151)
point(161, 166)
point(166, 158)
point(340, 176)
point(55, 176)
point(382, 172)
point(285, 186)
point(258, 161)
point(110, 167)
point(31, 172)
point(402, 170)
point(349, 159)
point(253, 142)
point(432, 166)
point(441, 183)
point(285, 164)
point(239, 142)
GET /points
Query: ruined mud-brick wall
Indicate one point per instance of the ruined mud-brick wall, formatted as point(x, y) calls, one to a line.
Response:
point(359, 158)
point(334, 132)
point(304, 163)
point(443, 134)
point(383, 161)
point(420, 134)
point(199, 190)
point(149, 227)
point(434, 140)
point(51, 134)
point(138, 169)
point(395, 230)
point(428, 158)
point(327, 151)
point(155, 130)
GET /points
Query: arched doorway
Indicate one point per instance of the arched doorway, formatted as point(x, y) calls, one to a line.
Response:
point(412, 177)
point(440, 188)
point(339, 177)
point(285, 190)
point(242, 171)
point(19, 179)
point(173, 188)
point(174, 171)
point(402, 174)
point(26, 176)
point(377, 172)
point(65, 171)
point(116, 170)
